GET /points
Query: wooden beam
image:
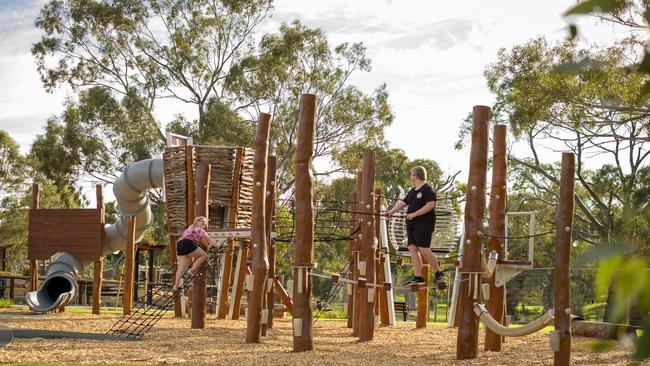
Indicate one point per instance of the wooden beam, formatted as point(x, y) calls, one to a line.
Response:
point(304, 248)
point(259, 237)
point(423, 300)
point(561, 275)
point(241, 269)
point(189, 170)
point(99, 264)
point(467, 340)
point(367, 315)
point(129, 270)
point(282, 294)
point(270, 224)
point(357, 258)
point(352, 274)
point(199, 288)
point(222, 312)
point(497, 230)
point(33, 264)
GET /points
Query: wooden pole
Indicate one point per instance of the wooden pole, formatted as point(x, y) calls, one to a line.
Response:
point(353, 263)
point(304, 250)
point(241, 269)
point(377, 253)
point(357, 258)
point(469, 289)
point(33, 264)
point(99, 264)
point(172, 255)
point(563, 237)
point(178, 313)
point(270, 211)
point(232, 223)
point(191, 199)
point(367, 315)
point(259, 237)
point(423, 301)
point(189, 171)
point(127, 298)
point(200, 284)
point(497, 230)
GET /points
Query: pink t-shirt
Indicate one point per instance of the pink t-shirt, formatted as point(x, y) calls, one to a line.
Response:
point(194, 233)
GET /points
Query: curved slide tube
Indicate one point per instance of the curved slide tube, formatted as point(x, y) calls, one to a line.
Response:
point(525, 329)
point(60, 285)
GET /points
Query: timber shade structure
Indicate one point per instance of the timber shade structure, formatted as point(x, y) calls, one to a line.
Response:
point(222, 179)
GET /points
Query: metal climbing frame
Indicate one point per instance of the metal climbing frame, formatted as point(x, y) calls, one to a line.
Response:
point(531, 234)
point(444, 238)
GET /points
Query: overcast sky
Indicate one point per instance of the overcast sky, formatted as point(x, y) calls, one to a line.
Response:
point(430, 53)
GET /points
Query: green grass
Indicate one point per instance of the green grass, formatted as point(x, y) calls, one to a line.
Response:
point(5, 303)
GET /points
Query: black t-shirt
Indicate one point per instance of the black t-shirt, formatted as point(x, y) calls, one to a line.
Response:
point(416, 199)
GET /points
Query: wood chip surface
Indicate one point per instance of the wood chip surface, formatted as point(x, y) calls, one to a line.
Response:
point(173, 342)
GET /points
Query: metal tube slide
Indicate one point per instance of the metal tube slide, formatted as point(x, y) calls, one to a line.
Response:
point(60, 285)
point(525, 329)
point(130, 193)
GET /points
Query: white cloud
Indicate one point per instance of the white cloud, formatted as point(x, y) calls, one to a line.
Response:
point(431, 54)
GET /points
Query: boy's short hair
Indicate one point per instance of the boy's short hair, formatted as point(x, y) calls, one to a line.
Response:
point(419, 172)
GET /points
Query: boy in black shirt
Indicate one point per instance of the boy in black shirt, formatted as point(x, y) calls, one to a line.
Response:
point(420, 223)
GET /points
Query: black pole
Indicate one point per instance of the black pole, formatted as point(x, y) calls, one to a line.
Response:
point(151, 279)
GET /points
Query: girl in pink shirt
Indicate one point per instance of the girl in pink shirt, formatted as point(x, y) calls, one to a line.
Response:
point(187, 247)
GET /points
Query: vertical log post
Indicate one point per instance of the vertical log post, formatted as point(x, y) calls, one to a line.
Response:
point(497, 230)
point(561, 278)
point(191, 199)
point(33, 264)
point(199, 288)
point(99, 264)
point(127, 298)
point(269, 216)
point(304, 251)
point(469, 291)
point(353, 263)
point(222, 313)
point(357, 258)
point(172, 256)
point(259, 240)
point(367, 314)
point(423, 300)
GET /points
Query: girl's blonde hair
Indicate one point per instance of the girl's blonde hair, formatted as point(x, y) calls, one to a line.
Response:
point(201, 218)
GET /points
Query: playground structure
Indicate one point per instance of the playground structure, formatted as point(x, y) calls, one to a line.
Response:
point(234, 188)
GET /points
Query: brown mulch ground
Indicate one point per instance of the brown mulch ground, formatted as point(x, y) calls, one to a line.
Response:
point(172, 341)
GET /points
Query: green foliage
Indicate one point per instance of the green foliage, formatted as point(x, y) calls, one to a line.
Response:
point(5, 303)
point(12, 164)
point(595, 6)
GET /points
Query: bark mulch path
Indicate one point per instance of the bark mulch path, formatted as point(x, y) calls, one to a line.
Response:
point(172, 341)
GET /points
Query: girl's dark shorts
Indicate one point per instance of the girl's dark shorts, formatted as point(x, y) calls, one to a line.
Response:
point(418, 234)
point(185, 247)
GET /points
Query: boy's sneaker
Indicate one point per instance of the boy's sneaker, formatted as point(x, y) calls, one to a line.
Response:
point(415, 280)
point(439, 277)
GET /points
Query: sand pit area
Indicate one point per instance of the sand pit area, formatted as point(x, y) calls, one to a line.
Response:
point(172, 342)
